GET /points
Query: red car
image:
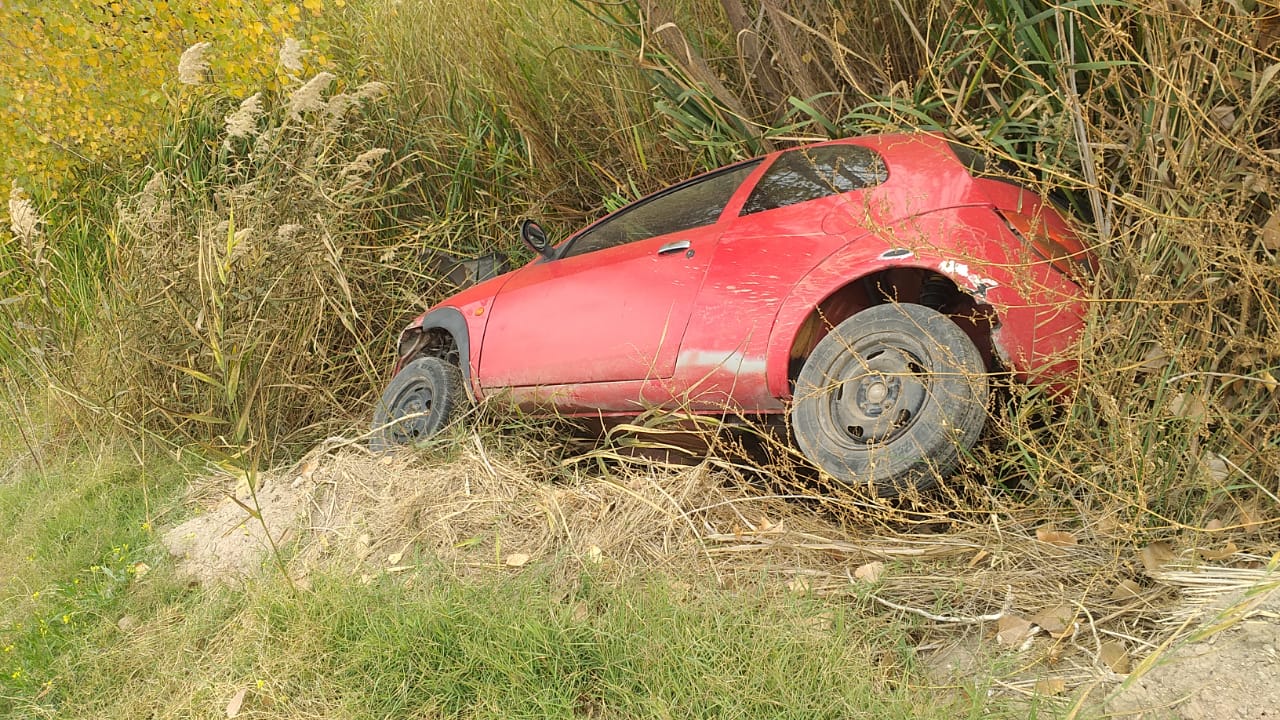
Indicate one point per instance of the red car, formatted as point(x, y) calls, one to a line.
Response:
point(865, 286)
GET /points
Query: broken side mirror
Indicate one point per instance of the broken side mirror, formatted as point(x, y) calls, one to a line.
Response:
point(535, 238)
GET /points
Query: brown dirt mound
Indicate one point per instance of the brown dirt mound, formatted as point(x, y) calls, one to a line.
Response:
point(225, 543)
point(475, 511)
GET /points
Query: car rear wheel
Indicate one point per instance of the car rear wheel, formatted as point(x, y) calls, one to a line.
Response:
point(891, 397)
point(421, 399)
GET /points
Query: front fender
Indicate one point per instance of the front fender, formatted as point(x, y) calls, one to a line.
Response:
point(464, 317)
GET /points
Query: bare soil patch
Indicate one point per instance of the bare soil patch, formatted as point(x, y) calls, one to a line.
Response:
point(223, 542)
point(1228, 669)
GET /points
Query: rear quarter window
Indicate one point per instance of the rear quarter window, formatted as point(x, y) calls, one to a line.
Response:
point(817, 172)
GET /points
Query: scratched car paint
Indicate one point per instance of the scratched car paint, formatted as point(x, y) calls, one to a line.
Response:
point(864, 289)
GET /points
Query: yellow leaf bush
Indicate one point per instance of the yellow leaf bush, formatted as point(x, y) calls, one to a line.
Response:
point(86, 81)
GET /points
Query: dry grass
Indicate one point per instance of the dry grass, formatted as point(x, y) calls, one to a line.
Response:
point(481, 506)
point(246, 300)
point(237, 333)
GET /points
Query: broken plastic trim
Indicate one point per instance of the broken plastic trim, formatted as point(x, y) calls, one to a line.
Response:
point(1035, 234)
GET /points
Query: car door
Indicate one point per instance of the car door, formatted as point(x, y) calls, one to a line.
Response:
point(614, 304)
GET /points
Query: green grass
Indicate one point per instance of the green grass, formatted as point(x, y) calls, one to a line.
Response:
point(435, 645)
point(77, 535)
point(507, 649)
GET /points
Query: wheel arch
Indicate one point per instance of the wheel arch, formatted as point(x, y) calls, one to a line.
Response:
point(863, 411)
point(441, 333)
point(828, 296)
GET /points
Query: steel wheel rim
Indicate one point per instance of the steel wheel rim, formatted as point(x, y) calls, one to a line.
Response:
point(411, 412)
point(879, 390)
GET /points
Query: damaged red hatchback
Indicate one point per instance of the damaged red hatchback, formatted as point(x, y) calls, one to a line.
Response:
point(868, 287)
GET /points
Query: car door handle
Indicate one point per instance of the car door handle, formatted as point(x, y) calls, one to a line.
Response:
point(671, 247)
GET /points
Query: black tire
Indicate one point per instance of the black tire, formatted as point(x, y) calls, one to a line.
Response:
point(419, 401)
point(891, 397)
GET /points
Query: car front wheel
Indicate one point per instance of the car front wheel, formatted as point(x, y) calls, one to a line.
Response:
point(891, 397)
point(420, 400)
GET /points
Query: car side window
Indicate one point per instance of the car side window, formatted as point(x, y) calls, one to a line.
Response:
point(693, 204)
point(812, 173)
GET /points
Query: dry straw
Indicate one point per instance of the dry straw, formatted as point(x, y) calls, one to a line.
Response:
point(291, 54)
point(24, 221)
point(193, 67)
point(992, 580)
